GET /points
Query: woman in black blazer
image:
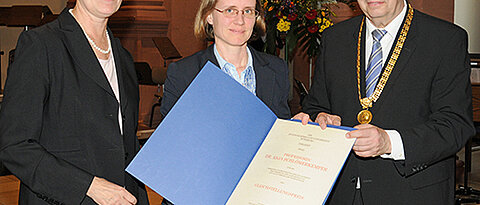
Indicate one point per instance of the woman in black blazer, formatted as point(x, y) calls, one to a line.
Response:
point(69, 116)
point(230, 24)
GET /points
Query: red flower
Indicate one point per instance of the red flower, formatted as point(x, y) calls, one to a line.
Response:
point(313, 29)
point(312, 14)
point(292, 17)
point(279, 15)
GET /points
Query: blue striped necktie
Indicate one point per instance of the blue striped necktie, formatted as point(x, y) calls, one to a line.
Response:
point(374, 67)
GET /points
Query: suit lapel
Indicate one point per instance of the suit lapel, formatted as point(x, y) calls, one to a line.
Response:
point(120, 68)
point(406, 53)
point(82, 53)
point(362, 55)
point(265, 77)
point(208, 56)
point(354, 43)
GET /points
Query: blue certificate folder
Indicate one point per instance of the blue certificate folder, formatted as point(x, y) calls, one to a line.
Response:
point(203, 146)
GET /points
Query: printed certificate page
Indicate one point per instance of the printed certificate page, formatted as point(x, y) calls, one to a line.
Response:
point(296, 164)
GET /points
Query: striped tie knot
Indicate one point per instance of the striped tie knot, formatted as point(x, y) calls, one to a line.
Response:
point(378, 34)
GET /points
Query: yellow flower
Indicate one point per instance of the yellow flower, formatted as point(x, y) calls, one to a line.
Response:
point(328, 23)
point(283, 26)
point(270, 9)
point(265, 4)
point(322, 28)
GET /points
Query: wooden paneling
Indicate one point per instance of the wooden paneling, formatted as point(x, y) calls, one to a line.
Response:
point(135, 24)
point(9, 186)
point(4, 12)
point(439, 8)
point(25, 15)
point(476, 102)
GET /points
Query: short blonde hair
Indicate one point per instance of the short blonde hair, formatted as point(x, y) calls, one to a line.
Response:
point(204, 31)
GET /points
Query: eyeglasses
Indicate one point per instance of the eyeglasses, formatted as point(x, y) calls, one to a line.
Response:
point(232, 13)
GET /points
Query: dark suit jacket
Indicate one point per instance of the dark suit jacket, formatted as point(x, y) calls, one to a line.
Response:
point(271, 76)
point(59, 118)
point(427, 100)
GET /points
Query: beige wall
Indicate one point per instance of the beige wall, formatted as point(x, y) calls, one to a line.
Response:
point(467, 15)
point(181, 15)
point(9, 35)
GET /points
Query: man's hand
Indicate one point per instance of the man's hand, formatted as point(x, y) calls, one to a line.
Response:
point(304, 117)
point(371, 141)
point(104, 192)
point(323, 119)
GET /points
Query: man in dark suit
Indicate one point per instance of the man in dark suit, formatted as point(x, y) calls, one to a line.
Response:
point(69, 116)
point(404, 77)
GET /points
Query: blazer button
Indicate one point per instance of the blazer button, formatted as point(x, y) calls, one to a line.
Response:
point(126, 155)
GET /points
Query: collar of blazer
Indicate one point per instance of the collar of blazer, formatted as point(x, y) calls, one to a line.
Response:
point(408, 49)
point(84, 56)
point(264, 74)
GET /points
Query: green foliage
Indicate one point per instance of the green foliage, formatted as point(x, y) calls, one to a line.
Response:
point(296, 24)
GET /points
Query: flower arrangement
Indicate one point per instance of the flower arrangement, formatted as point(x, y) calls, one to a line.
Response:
point(296, 22)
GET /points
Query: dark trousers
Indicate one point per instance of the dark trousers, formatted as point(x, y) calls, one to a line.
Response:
point(358, 199)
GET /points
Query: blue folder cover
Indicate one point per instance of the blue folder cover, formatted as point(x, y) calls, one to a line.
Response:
point(203, 146)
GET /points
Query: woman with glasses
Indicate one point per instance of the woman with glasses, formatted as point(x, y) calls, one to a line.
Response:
point(231, 24)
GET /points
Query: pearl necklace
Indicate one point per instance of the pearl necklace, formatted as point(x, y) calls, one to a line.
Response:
point(92, 42)
point(95, 45)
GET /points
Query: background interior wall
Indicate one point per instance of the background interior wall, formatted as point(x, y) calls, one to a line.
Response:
point(9, 35)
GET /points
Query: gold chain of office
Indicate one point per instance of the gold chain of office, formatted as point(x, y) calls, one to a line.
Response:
point(365, 116)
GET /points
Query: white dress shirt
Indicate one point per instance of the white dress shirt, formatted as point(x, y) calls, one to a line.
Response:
point(110, 71)
point(398, 152)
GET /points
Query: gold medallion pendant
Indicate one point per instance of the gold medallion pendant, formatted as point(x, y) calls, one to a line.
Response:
point(364, 117)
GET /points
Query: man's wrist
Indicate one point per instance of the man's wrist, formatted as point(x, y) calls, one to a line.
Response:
point(397, 151)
